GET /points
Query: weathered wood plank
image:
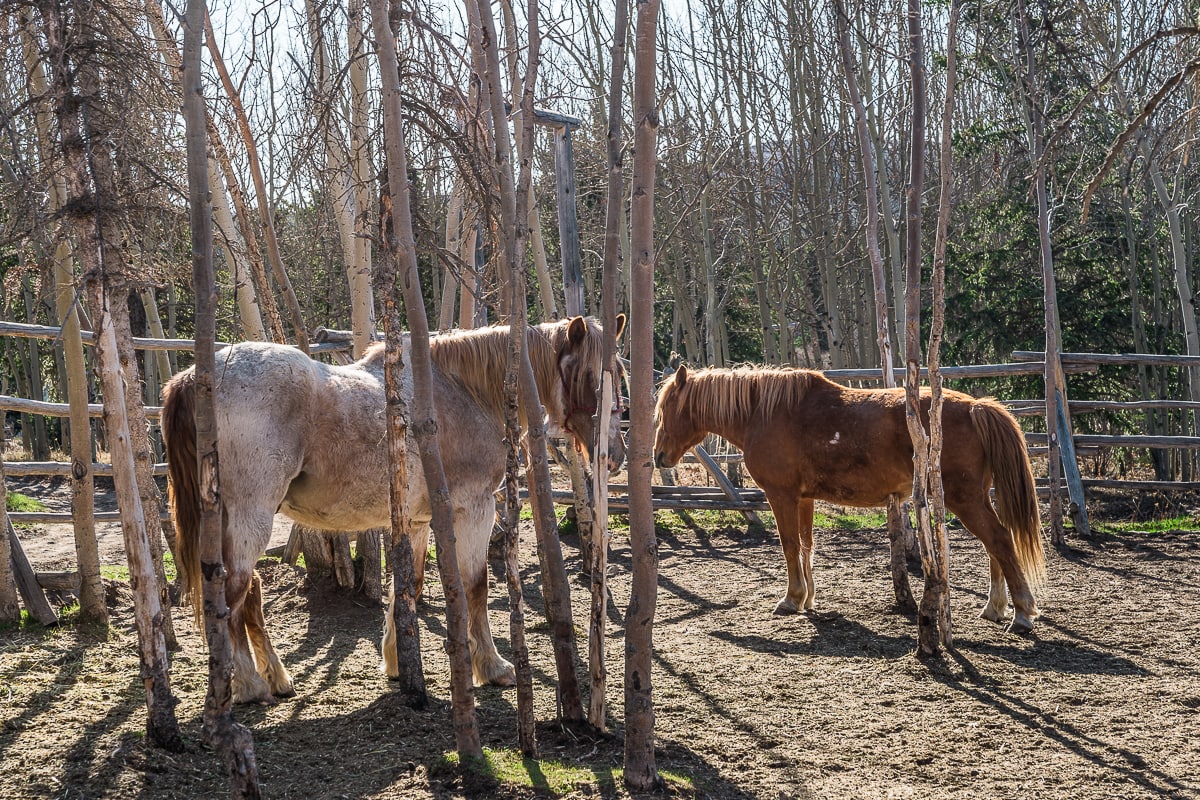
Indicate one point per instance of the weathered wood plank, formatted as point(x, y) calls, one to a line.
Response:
point(27, 584)
point(1096, 359)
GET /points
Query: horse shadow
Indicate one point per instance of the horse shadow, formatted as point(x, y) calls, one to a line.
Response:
point(834, 635)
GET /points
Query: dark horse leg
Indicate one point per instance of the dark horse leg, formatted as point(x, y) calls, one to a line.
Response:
point(979, 518)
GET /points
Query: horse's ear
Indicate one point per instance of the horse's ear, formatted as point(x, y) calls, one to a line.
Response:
point(620, 327)
point(577, 330)
point(681, 375)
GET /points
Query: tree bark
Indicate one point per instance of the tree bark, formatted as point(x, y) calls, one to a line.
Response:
point(401, 241)
point(554, 578)
point(934, 606)
point(609, 287)
point(410, 677)
point(935, 490)
point(76, 88)
point(641, 773)
point(895, 514)
point(234, 742)
point(92, 605)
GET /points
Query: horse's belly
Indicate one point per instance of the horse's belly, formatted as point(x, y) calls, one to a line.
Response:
point(335, 517)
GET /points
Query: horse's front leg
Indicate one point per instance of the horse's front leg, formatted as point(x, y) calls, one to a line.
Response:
point(475, 526)
point(419, 545)
point(787, 510)
point(805, 510)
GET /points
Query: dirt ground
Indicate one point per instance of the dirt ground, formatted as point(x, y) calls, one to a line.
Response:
point(1102, 701)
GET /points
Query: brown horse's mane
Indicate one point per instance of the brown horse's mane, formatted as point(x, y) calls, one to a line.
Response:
point(478, 357)
point(732, 396)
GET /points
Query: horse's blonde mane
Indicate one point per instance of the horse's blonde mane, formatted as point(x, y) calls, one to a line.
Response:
point(477, 359)
point(726, 397)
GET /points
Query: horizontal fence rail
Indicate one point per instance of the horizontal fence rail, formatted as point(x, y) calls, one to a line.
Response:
point(723, 496)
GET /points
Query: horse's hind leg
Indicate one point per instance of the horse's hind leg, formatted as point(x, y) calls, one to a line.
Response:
point(246, 536)
point(997, 604)
point(981, 520)
point(788, 515)
point(247, 685)
point(269, 665)
point(474, 531)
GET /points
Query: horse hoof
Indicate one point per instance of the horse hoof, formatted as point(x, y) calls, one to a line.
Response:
point(1020, 625)
point(502, 674)
point(992, 615)
point(786, 606)
point(256, 700)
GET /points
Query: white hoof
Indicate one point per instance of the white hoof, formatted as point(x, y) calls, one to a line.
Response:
point(992, 614)
point(787, 606)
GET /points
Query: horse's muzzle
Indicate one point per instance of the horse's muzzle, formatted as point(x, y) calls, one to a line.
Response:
point(659, 461)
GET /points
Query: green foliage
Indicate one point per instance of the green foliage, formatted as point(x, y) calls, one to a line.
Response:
point(14, 501)
point(1186, 522)
point(858, 519)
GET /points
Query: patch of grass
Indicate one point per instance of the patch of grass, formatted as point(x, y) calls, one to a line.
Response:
point(555, 778)
point(568, 526)
point(851, 520)
point(14, 501)
point(1187, 522)
point(114, 572)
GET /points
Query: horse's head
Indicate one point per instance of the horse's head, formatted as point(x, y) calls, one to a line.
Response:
point(675, 432)
point(578, 356)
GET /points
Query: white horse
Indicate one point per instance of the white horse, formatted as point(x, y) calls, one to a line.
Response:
point(309, 440)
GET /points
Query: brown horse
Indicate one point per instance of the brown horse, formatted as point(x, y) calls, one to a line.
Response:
point(806, 438)
point(309, 440)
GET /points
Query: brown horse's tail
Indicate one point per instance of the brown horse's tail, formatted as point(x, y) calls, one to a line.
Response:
point(179, 436)
point(1016, 495)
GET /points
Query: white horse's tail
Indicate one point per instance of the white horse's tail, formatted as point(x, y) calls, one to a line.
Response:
point(179, 437)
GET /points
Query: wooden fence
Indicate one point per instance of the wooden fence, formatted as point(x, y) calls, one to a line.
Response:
point(725, 494)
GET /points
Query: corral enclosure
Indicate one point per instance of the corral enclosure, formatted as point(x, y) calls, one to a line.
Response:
point(1101, 701)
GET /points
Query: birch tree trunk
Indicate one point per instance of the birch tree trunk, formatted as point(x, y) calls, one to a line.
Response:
point(236, 259)
point(895, 514)
point(554, 577)
point(609, 288)
point(1053, 377)
point(76, 89)
point(340, 179)
point(92, 606)
point(641, 773)
point(402, 243)
point(935, 601)
point(233, 741)
point(362, 296)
